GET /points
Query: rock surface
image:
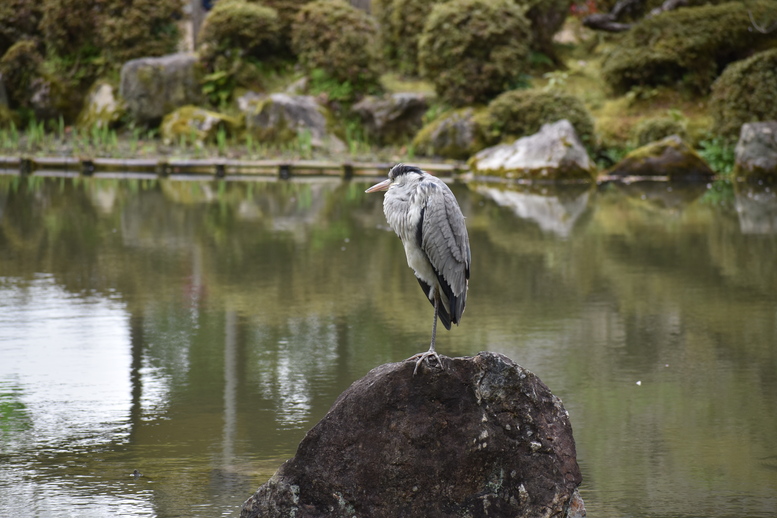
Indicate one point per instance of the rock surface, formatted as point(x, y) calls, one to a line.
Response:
point(282, 118)
point(154, 87)
point(394, 118)
point(194, 123)
point(554, 153)
point(101, 107)
point(483, 437)
point(452, 135)
point(669, 157)
point(756, 151)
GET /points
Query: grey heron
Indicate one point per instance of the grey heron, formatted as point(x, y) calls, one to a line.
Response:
point(423, 212)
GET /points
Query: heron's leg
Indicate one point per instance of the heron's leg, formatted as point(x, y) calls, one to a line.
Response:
point(431, 352)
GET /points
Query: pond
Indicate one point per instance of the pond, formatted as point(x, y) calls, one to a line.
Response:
point(195, 330)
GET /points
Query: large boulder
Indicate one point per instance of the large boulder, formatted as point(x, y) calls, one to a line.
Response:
point(394, 118)
point(480, 437)
point(455, 134)
point(555, 153)
point(282, 118)
point(669, 157)
point(756, 151)
point(154, 87)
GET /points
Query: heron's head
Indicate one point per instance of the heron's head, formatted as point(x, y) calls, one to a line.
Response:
point(400, 173)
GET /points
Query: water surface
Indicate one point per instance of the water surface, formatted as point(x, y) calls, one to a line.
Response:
point(194, 330)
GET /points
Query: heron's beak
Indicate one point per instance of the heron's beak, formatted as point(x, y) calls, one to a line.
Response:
point(382, 186)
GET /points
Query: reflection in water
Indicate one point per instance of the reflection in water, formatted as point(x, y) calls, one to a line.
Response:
point(194, 331)
point(555, 208)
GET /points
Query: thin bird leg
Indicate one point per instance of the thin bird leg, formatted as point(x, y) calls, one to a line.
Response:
point(431, 352)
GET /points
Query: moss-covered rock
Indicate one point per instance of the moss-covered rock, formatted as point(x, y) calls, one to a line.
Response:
point(670, 157)
point(19, 20)
point(746, 91)
point(554, 153)
point(237, 29)
point(455, 134)
point(196, 124)
point(518, 113)
point(472, 50)
point(338, 40)
point(102, 108)
point(687, 46)
point(392, 119)
point(756, 151)
point(138, 29)
point(154, 87)
point(657, 128)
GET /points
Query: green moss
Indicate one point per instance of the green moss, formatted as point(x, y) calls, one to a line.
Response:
point(687, 46)
point(656, 128)
point(20, 66)
point(454, 134)
point(746, 91)
point(519, 113)
point(406, 21)
point(196, 124)
point(332, 36)
point(472, 50)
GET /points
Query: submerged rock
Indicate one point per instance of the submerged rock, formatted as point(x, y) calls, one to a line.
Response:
point(554, 153)
point(101, 107)
point(756, 151)
point(195, 124)
point(394, 118)
point(154, 87)
point(281, 118)
point(483, 437)
point(669, 157)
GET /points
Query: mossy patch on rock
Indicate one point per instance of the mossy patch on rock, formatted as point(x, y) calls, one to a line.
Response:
point(656, 128)
point(455, 134)
point(687, 46)
point(196, 125)
point(670, 157)
point(746, 91)
point(102, 108)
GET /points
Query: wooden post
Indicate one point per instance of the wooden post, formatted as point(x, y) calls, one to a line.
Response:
point(87, 167)
point(26, 166)
point(284, 171)
point(347, 171)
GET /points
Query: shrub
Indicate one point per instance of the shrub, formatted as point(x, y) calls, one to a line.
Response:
point(19, 66)
point(472, 50)
point(19, 20)
point(141, 28)
point(689, 45)
point(401, 29)
point(546, 18)
point(654, 129)
point(70, 28)
point(333, 37)
point(519, 113)
point(746, 91)
point(236, 28)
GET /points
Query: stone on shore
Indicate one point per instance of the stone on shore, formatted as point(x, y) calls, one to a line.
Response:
point(554, 153)
point(669, 157)
point(483, 437)
point(392, 119)
point(756, 151)
point(154, 87)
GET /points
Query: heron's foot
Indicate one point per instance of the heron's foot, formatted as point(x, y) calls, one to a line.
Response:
point(420, 357)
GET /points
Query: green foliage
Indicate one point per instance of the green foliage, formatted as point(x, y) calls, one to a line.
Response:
point(19, 20)
point(656, 128)
point(687, 46)
point(546, 17)
point(70, 27)
point(746, 91)
point(719, 155)
point(320, 82)
point(474, 49)
point(405, 23)
point(332, 36)
point(519, 113)
point(287, 11)
point(140, 28)
point(20, 66)
point(236, 28)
